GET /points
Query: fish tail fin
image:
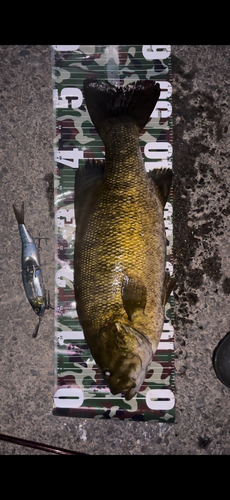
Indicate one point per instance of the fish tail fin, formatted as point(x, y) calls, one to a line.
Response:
point(135, 100)
point(19, 214)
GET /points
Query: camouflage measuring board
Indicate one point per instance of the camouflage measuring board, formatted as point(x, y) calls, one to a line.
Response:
point(80, 389)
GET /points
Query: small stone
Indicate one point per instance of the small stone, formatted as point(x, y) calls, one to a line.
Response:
point(199, 403)
point(33, 372)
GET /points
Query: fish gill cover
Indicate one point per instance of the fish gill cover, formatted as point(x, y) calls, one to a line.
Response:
point(80, 389)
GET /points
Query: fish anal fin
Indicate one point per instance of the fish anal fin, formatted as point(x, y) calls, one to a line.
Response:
point(134, 296)
point(162, 178)
point(168, 286)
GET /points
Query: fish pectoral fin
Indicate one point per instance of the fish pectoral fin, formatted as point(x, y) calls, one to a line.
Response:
point(168, 286)
point(162, 179)
point(134, 295)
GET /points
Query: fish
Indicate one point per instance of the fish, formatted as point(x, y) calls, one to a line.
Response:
point(120, 279)
point(31, 270)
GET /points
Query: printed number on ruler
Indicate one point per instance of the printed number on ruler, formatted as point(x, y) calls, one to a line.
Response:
point(151, 52)
point(160, 399)
point(160, 152)
point(68, 215)
point(66, 48)
point(166, 89)
point(63, 277)
point(71, 97)
point(69, 158)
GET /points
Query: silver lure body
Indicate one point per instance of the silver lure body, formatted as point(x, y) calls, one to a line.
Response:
point(31, 272)
point(31, 267)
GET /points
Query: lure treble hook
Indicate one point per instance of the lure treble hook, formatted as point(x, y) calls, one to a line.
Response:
point(39, 238)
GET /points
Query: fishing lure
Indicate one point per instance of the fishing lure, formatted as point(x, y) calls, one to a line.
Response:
point(31, 270)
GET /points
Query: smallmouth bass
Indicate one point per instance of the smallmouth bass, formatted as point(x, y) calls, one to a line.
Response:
point(120, 281)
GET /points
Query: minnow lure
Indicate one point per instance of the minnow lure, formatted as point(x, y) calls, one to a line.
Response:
point(31, 270)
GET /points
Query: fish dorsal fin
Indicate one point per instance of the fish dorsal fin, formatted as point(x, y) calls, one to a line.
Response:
point(168, 286)
point(86, 180)
point(134, 295)
point(162, 178)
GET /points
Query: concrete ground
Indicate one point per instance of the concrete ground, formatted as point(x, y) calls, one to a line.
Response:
point(201, 110)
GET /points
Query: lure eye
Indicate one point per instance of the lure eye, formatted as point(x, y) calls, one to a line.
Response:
point(107, 373)
point(36, 310)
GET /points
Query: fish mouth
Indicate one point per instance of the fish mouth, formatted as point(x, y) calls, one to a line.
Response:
point(130, 393)
point(126, 390)
point(135, 382)
point(130, 390)
point(130, 386)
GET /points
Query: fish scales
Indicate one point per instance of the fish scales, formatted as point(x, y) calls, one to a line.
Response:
point(119, 235)
point(120, 256)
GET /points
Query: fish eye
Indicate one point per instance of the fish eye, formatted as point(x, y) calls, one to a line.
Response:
point(107, 373)
point(36, 310)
